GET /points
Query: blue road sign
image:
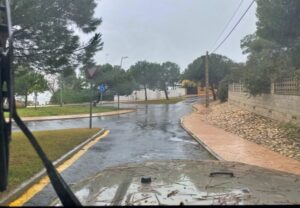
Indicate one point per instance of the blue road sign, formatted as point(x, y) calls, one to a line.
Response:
point(101, 88)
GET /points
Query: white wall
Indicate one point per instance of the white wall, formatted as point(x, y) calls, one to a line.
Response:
point(152, 94)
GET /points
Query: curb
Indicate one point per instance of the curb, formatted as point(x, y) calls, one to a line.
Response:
point(198, 139)
point(17, 192)
point(75, 116)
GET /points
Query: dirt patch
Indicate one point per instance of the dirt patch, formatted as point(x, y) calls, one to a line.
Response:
point(261, 130)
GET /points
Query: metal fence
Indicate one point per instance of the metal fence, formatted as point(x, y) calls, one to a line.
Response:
point(237, 87)
point(286, 86)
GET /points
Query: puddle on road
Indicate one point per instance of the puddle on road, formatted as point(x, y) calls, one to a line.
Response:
point(175, 139)
point(152, 155)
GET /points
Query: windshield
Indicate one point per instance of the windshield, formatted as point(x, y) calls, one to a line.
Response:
point(88, 86)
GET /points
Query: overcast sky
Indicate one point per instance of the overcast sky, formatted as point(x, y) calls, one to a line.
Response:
point(169, 30)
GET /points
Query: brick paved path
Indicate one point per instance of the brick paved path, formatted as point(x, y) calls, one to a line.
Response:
point(234, 148)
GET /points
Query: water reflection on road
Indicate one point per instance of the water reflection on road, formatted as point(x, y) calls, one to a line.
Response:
point(153, 132)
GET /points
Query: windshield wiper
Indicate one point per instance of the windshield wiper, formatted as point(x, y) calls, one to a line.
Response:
point(8, 106)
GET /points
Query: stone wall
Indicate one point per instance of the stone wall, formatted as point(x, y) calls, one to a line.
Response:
point(285, 108)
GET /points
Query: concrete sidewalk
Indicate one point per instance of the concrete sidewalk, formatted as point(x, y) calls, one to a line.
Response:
point(231, 147)
point(45, 118)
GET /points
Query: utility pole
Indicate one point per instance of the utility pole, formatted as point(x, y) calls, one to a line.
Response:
point(123, 57)
point(206, 81)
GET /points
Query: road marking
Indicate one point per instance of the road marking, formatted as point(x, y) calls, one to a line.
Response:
point(36, 188)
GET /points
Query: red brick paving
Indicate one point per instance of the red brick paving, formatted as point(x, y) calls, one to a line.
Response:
point(234, 148)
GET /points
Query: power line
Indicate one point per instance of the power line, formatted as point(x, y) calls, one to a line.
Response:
point(238, 22)
point(228, 23)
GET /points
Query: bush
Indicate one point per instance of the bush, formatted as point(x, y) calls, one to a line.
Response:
point(223, 89)
point(71, 96)
point(78, 96)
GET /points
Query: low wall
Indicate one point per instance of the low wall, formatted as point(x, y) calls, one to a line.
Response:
point(152, 94)
point(285, 108)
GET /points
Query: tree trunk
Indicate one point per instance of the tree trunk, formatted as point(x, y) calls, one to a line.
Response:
point(61, 98)
point(35, 99)
point(118, 101)
point(213, 91)
point(61, 92)
point(166, 93)
point(26, 99)
point(94, 101)
point(146, 98)
point(98, 98)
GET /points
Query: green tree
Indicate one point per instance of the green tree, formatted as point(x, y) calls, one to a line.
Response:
point(72, 81)
point(235, 76)
point(195, 71)
point(168, 75)
point(279, 21)
point(219, 67)
point(72, 89)
point(117, 81)
point(145, 74)
point(274, 49)
point(105, 75)
point(39, 85)
point(122, 83)
point(69, 82)
point(267, 61)
point(44, 35)
point(28, 81)
point(188, 83)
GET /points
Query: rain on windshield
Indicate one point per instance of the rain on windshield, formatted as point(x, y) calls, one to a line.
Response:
point(103, 84)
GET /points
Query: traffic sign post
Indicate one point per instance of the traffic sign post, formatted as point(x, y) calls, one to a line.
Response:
point(101, 98)
point(90, 74)
point(101, 89)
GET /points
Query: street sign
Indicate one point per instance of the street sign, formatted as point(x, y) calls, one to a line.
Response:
point(101, 88)
point(90, 72)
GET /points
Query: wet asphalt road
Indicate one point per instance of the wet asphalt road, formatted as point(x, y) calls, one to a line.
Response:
point(153, 132)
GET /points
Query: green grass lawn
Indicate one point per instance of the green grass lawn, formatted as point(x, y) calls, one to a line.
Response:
point(24, 162)
point(64, 110)
point(162, 101)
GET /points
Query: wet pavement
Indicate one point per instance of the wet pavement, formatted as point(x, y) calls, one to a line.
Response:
point(153, 132)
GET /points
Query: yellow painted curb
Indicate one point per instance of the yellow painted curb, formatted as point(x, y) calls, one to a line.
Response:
point(33, 190)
